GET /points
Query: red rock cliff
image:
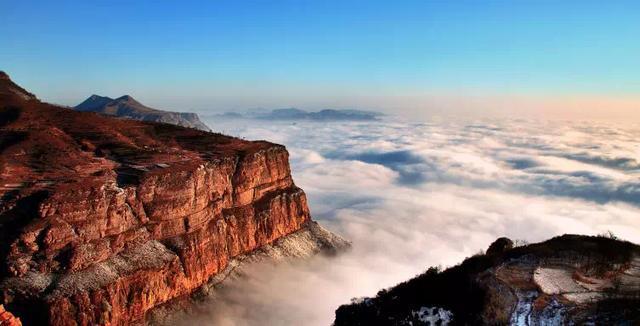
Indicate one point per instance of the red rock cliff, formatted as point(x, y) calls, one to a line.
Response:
point(102, 219)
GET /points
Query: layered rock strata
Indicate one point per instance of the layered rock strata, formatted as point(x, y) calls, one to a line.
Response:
point(303, 244)
point(102, 219)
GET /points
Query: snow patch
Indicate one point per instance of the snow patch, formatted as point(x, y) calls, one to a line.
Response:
point(524, 314)
point(521, 315)
point(433, 316)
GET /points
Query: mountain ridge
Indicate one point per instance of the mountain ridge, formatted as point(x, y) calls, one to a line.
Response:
point(298, 114)
point(126, 106)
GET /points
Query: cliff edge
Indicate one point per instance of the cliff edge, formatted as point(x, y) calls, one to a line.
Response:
point(103, 219)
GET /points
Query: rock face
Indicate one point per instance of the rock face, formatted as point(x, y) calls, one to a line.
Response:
point(305, 243)
point(103, 219)
point(568, 280)
point(127, 107)
point(7, 318)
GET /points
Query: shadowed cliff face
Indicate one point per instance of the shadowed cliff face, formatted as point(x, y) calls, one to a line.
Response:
point(102, 219)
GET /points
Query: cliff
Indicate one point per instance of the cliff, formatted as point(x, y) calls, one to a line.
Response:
point(103, 219)
point(568, 280)
point(127, 107)
point(302, 244)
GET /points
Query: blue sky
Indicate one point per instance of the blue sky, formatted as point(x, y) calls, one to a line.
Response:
point(228, 55)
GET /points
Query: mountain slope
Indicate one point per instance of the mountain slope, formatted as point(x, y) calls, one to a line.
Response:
point(104, 219)
point(93, 103)
point(10, 89)
point(563, 281)
point(127, 107)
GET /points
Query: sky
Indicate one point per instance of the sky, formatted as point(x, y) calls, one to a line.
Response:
point(562, 58)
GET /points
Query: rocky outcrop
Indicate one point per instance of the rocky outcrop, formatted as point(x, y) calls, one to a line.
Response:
point(7, 318)
point(127, 107)
point(568, 280)
point(103, 219)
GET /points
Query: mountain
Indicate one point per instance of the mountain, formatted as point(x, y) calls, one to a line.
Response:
point(283, 114)
point(568, 280)
point(354, 115)
point(94, 103)
point(297, 114)
point(103, 220)
point(323, 115)
point(127, 107)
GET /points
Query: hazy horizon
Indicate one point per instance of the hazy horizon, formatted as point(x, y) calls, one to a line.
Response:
point(623, 109)
point(416, 59)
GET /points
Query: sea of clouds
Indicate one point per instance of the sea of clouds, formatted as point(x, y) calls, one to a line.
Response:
point(413, 195)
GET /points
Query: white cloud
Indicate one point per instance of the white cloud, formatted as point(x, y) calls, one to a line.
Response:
point(413, 195)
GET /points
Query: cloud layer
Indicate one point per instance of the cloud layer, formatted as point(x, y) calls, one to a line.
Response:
point(413, 195)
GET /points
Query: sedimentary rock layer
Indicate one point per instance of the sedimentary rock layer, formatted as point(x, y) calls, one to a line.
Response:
point(102, 219)
point(311, 240)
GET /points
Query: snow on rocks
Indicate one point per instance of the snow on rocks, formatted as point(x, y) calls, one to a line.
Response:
point(433, 316)
point(521, 315)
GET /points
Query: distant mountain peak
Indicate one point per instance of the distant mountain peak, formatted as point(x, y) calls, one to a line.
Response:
point(126, 106)
point(125, 98)
point(322, 115)
point(128, 99)
point(93, 102)
point(4, 75)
